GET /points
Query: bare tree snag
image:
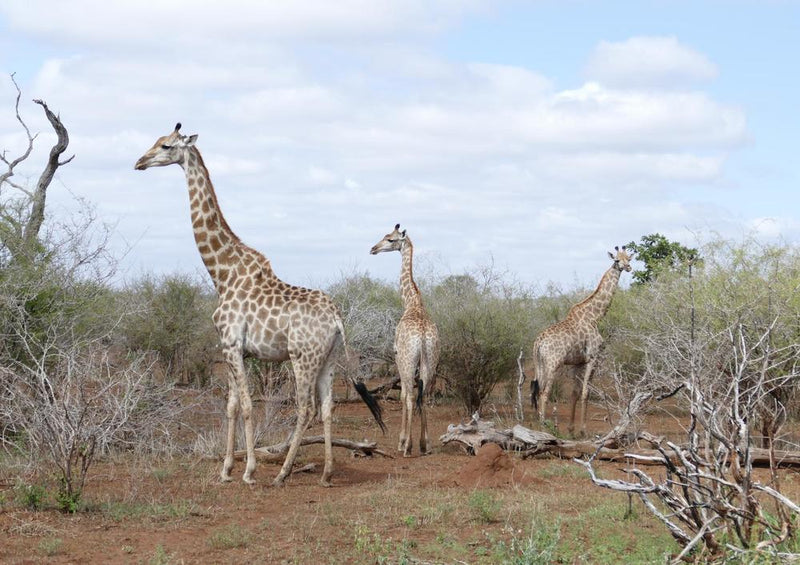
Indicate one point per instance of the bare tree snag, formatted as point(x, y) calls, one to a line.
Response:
point(28, 230)
point(36, 218)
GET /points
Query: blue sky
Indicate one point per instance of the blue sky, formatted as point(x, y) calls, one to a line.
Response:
point(536, 135)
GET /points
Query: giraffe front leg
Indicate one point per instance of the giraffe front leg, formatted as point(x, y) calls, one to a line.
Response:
point(245, 407)
point(585, 394)
point(232, 412)
point(574, 409)
point(303, 417)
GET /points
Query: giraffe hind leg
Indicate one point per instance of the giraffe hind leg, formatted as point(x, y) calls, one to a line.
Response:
point(306, 373)
point(325, 396)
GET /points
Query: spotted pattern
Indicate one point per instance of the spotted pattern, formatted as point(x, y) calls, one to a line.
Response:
point(574, 344)
point(416, 342)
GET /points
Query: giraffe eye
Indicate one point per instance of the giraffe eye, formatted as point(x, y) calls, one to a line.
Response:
point(165, 146)
point(391, 240)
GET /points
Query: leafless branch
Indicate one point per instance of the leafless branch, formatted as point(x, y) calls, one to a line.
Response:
point(12, 163)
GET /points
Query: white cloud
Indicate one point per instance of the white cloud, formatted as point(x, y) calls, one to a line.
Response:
point(190, 22)
point(342, 137)
point(648, 62)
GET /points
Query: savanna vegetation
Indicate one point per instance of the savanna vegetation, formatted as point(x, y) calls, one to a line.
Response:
point(94, 372)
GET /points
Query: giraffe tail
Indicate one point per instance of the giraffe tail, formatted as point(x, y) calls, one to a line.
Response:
point(420, 396)
point(371, 402)
point(535, 394)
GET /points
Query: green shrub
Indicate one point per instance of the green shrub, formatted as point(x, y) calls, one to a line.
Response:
point(173, 319)
point(483, 323)
point(30, 496)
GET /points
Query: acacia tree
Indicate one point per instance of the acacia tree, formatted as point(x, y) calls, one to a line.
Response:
point(659, 255)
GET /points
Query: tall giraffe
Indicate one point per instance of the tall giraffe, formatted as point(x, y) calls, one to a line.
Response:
point(416, 342)
point(575, 342)
point(260, 315)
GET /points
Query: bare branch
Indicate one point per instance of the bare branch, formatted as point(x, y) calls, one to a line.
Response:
point(14, 162)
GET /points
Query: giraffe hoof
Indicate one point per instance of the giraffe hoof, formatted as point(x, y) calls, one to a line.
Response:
point(326, 482)
point(248, 481)
point(278, 482)
point(225, 478)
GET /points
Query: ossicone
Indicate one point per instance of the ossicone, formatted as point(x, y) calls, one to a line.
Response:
point(397, 226)
point(177, 126)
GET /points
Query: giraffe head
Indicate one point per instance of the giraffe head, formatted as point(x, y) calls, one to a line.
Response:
point(392, 241)
point(167, 150)
point(622, 259)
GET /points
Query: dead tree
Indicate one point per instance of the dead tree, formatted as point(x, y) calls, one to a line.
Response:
point(28, 231)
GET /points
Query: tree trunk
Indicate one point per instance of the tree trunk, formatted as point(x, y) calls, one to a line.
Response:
point(30, 233)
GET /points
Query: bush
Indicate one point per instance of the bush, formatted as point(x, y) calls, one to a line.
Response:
point(483, 323)
point(370, 312)
point(172, 317)
point(64, 397)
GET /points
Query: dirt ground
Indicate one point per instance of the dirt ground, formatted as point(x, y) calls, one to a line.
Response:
point(446, 507)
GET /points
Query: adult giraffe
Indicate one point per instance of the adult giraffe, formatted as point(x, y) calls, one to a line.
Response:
point(416, 342)
point(575, 342)
point(258, 314)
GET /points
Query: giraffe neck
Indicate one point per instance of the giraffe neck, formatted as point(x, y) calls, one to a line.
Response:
point(215, 240)
point(594, 306)
point(408, 288)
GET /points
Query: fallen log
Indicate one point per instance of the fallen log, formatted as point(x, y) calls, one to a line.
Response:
point(472, 435)
point(276, 453)
point(386, 388)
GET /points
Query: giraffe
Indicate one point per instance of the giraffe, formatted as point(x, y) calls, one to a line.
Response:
point(260, 315)
point(575, 342)
point(416, 343)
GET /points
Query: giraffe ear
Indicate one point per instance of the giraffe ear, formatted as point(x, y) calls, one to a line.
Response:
point(611, 255)
point(403, 233)
point(190, 140)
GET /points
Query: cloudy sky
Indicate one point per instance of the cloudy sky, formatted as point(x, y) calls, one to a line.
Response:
point(535, 134)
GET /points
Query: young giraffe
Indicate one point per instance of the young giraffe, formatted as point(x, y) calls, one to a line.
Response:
point(416, 343)
point(258, 314)
point(575, 342)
